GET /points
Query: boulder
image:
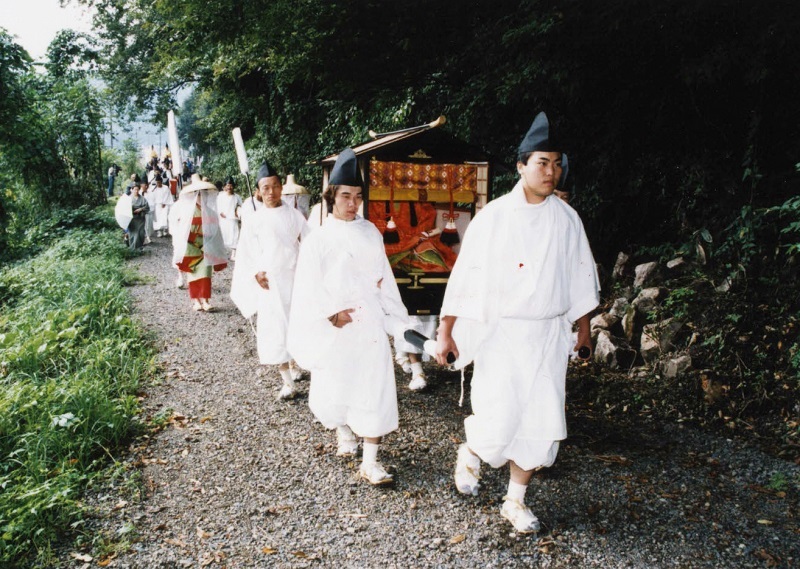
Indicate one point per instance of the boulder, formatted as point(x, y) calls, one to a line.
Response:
point(619, 267)
point(677, 366)
point(611, 352)
point(645, 273)
point(619, 307)
point(676, 263)
point(631, 322)
point(604, 321)
point(647, 300)
point(658, 338)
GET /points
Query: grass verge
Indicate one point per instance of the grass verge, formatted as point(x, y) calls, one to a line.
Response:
point(71, 362)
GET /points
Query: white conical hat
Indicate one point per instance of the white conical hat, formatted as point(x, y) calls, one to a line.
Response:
point(197, 185)
point(292, 187)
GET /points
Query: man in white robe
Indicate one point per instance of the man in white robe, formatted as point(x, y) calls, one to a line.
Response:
point(147, 193)
point(228, 203)
point(163, 202)
point(524, 275)
point(263, 276)
point(345, 301)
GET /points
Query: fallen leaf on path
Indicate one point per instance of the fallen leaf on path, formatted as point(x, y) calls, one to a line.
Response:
point(202, 534)
point(766, 522)
point(176, 542)
point(268, 550)
point(612, 458)
point(81, 556)
point(457, 538)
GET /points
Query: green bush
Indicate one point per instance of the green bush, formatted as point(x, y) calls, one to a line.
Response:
point(71, 361)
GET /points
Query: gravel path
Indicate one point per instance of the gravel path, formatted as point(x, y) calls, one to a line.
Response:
point(239, 479)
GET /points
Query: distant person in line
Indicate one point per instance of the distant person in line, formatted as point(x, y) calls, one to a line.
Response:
point(113, 170)
point(228, 204)
point(263, 276)
point(345, 301)
point(147, 192)
point(163, 202)
point(136, 228)
point(524, 274)
point(198, 247)
point(134, 181)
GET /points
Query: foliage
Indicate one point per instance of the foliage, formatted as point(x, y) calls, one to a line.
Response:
point(71, 360)
point(50, 139)
point(664, 107)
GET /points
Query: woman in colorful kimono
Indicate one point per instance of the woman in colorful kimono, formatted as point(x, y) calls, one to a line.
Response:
point(198, 246)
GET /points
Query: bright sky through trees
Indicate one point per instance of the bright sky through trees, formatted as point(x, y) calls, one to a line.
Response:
point(36, 22)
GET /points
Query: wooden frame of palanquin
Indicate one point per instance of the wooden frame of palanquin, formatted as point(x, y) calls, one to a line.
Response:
point(421, 291)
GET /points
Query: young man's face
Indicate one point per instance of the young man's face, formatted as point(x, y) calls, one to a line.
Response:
point(346, 202)
point(540, 175)
point(270, 189)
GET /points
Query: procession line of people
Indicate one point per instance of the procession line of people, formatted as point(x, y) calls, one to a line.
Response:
point(327, 299)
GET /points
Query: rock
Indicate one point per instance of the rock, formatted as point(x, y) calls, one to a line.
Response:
point(645, 273)
point(611, 353)
point(630, 322)
point(619, 307)
point(647, 300)
point(603, 321)
point(658, 338)
point(677, 366)
point(676, 263)
point(619, 267)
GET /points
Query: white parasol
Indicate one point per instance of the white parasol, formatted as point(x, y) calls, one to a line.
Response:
point(123, 211)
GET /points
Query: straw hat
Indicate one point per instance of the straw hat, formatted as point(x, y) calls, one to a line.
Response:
point(197, 184)
point(292, 187)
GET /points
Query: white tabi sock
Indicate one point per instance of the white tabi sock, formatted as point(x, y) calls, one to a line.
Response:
point(369, 453)
point(286, 376)
point(516, 491)
point(416, 368)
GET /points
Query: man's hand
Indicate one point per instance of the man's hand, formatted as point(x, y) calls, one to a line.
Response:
point(262, 280)
point(444, 340)
point(223, 216)
point(584, 342)
point(341, 318)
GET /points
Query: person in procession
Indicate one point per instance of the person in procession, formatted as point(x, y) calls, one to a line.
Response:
point(136, 228)
point(163, 202)
point(525, 273)
point(147, 193)
point(410, 357)
point(198, 247)
point(344, 303)
point(228, 204)
point(263, 276)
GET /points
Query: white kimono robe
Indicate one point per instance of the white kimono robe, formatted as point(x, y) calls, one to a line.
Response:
point(248, 209)
point(270, 242)
point(525, 273)
point(150, 216)
point(343, 265)
point(229, 224)
point(163, 202)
